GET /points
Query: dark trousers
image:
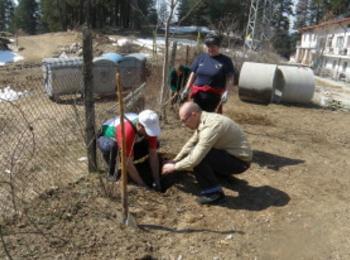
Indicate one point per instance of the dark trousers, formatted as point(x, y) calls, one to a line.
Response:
point(207, 101)
point(109, 149)
point(217, 162)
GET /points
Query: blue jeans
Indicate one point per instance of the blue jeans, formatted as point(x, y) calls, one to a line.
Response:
point(109, 149)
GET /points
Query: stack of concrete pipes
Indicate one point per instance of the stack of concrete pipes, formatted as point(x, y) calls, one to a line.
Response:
point(266, 83)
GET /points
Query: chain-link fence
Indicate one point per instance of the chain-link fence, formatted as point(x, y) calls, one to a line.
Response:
point(42, 140)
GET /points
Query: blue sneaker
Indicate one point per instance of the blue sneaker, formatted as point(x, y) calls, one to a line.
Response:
point(213, 198)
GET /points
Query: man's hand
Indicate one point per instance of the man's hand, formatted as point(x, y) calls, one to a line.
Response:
point(168, 168)
point(224, 97)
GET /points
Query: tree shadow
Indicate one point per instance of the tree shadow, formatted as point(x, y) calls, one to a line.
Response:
point(273, 161)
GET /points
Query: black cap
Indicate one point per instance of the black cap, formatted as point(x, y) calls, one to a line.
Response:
point(212, 39)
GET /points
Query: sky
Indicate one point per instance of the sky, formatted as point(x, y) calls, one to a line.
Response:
point(292, 18)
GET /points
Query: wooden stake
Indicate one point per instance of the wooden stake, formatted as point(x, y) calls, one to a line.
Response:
point(124, 177)
point(187, 54)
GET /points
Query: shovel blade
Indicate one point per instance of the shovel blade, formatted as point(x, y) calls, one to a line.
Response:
point(131, 221)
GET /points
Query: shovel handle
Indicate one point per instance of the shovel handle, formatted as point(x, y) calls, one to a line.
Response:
point(124, 176)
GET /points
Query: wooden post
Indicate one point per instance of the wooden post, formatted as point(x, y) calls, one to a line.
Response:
point(90, 138)
point(187, 54)
point(173, 55)
point(124, 180)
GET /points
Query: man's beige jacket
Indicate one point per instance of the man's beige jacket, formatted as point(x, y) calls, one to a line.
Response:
point(214, 131)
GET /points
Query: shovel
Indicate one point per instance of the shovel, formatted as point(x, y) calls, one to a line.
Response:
point(127, 218)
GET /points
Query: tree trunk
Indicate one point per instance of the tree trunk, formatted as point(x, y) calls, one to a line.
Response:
point(166, 61)
point(81, 12)
point(173, 55)
point(116, 12)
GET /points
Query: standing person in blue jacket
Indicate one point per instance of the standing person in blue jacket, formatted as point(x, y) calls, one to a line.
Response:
point(212, 74)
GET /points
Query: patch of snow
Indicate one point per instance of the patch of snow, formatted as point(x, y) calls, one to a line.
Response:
point(123, 41)
point(8, 94)
point(148, 42)
point(189, 29)
point(161, 41)
point(147, 55)
point(63, 55)
point(9, 57)
point(112, 38)
point(241, 54)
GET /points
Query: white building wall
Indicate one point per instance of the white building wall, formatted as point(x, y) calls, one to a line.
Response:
point(308, 40)
point(335, 55)
point(347, 70)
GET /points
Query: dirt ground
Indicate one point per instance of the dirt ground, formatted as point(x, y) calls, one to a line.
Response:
point(291, 204)
point(35, 48)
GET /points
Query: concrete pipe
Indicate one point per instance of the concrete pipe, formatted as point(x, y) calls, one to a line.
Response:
point(298, 84)
point(257, 82)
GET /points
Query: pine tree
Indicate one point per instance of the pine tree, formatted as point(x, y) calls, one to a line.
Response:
point(6, 14)
point(144, 13)
point(316, 11)
point(340, 7)
point(25, 17)
point(301, 12)
point(163, 13)
point(182, 10)
point(50, 15)
point(211, 13)
point(281, 40)
point(152, 13)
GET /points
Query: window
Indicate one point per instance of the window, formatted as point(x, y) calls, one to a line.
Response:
point(348, 42)
point(340, 42)
point(322, 43)
point(329, 41)
point(334, 64)
point(345, 65)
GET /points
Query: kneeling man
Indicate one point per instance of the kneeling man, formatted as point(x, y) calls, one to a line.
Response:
point(217, 147)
